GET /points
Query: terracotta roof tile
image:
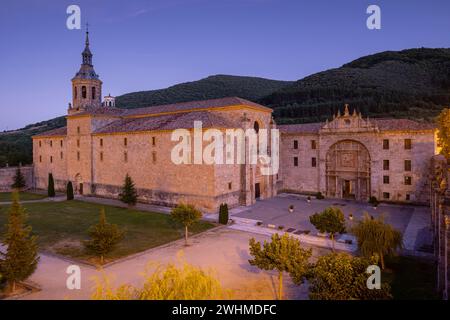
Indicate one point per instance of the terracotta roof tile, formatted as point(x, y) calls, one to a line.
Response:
point(201, 104)
point(167, 122)
point(55, 132)
point(300, 128)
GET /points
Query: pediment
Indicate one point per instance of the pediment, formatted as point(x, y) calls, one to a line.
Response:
point(347, 122)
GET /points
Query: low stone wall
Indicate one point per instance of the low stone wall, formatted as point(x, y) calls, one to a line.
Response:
point(7, 177)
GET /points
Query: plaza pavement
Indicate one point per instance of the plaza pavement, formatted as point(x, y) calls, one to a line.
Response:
point(225, 249)
point(221, 250)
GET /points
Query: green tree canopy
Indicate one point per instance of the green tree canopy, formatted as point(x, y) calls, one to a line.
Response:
point(377, 238)
point(129, 193)
point(339, 276)
point(21, 257)
point(104, 237)
point(443, 122)
point(19, 180)
point(187, 215)
point(169, 282)
point(283, 254)
point(330, 220)
point(51, 186)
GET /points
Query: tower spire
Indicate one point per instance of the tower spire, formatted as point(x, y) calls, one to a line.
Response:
point(87, 34)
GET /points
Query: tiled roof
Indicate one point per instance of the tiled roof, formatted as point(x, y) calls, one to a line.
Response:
point(382, 124)
point(55, 132)
point(201, 104)
point(176, 107)
point(300, 128)
point(167, 122)
point(401, 125)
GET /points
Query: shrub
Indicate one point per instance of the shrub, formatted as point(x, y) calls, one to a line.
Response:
point(69, 191)
point(129, 193)
point(374, 201)
point(18, 180)
point(223, 213)
point(51, 186)
point(319, 196)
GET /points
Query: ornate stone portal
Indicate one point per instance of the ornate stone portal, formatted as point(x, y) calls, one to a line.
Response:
point(348, 170)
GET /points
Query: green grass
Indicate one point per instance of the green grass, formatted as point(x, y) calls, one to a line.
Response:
point(411, 278)
point(7, 196)
point(61, 226)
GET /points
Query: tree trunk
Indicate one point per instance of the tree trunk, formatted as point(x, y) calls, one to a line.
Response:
point(332, 241)
point(280, 285)
point(382, 261)
point(186, 235)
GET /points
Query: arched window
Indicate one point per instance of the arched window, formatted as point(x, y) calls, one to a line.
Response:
point(93, 93)
point(256, 126)
point(83, 92)
point(75, 92)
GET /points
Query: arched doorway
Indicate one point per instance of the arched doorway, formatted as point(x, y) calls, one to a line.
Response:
point(348, 170)
point(78, 184)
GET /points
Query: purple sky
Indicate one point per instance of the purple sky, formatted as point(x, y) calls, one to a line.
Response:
point(143, 45)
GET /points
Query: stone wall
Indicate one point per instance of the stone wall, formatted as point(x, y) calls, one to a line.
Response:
point(7, 176)
point(440, 221)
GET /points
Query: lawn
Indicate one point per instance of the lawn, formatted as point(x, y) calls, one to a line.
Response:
point(411, 278)
point(7, 196)
point(61, 226)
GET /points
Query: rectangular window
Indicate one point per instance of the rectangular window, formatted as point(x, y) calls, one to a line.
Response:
point(386, 144)
point(51, 159)
point(385, 164)
point(61, 143)
point(101, 142)
point(154, 157)
point(153, 141)
point(125, 157)
point(386, 179)
point(408, 197)
point(408, 180)
point(407, 165)
point(78, 130)
point(51, 143)
point(61, 155)
point(229, 185)
point(386, 195)
point(408, 144)
point(313, 144)
point(101, 156)
point(313, 162)
point(295, 144)
point(40, 158)
point(40, 144)
point(78, 143)
point(78, 155)
point(125, 142)
point(295, 161)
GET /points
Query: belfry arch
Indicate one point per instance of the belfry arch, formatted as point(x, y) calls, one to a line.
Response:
point(348, 170)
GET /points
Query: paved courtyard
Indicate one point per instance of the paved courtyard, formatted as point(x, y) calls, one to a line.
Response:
point(223, 250)
point(412, 221)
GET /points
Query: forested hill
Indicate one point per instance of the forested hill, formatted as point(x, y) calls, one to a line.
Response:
point(213, 87)
point(413, 83)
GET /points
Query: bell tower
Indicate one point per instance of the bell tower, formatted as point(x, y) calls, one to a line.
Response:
point(86, 85)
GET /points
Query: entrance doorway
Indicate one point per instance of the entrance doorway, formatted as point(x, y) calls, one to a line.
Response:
point(81, 189)
point(347, 190)
point(257, 191)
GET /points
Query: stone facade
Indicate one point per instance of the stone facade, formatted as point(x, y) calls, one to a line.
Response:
point(440, 221)
point(352, 157)
point(341, 158)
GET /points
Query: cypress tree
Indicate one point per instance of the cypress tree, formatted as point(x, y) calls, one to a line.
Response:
point(21, 257)
point(129, 193)
point(223, 213)
point(51, 186)
point(69, 191)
